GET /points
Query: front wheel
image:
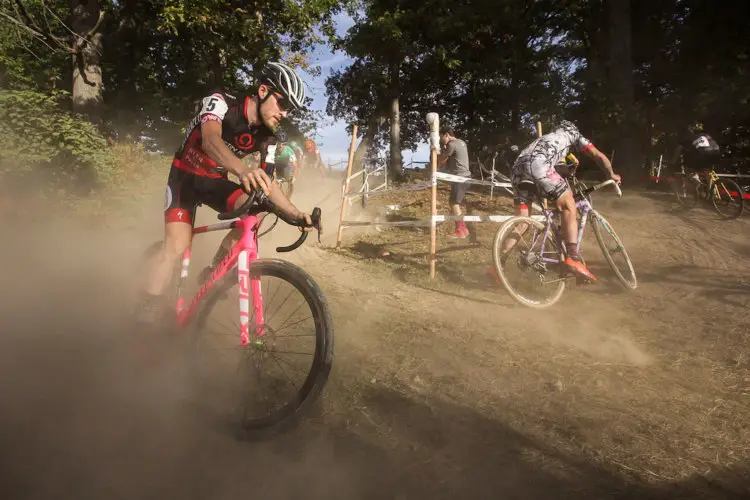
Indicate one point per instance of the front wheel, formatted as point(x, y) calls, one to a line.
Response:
point(295, 340)
point(526, 256)
point(612, 247)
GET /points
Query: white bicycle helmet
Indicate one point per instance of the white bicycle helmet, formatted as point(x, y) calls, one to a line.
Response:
point(286, 81)
point(567, 126)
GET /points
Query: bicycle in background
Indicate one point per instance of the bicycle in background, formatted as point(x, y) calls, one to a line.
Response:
point(541, 256)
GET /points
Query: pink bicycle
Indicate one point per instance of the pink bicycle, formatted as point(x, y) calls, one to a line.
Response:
point(256, 334)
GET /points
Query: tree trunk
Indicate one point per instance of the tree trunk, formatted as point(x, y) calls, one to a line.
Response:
point(396, 167)
point(87, 69)
point(396, 162)
point(622, 83)
point(126, 99)
point(367, 141)
point(217, 69)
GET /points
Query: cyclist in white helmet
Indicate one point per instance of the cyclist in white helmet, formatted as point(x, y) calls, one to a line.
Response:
point(228, 127)
point(534, 172)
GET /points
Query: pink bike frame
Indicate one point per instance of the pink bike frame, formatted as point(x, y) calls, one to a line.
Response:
point(244, 252)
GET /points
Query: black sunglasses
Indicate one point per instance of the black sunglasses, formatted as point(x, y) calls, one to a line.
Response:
point(284, 102)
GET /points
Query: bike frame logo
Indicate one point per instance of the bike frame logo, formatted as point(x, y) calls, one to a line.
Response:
point(222, 268)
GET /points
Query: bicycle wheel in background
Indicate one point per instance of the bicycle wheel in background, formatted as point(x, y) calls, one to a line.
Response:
point(685, 191)
point(297, 342)
point(522, 267)
point(612, 247)
point(727, 198)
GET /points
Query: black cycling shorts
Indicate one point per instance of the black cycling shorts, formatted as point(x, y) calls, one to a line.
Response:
point(285, 172)
point(185, 191)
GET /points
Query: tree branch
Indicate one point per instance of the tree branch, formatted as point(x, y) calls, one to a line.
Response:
point(40, 36)
point(89, 34)
point(27, 49)
point(28, 23)
point(21, 24)
point(26, 16)
point(96, 27)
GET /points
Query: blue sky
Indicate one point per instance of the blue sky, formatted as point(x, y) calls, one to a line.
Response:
point(332, 136)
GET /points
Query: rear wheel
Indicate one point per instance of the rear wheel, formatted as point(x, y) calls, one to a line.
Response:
point(300, 345)
point(527, 261)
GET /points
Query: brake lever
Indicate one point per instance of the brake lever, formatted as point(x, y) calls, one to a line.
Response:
point(315, 217)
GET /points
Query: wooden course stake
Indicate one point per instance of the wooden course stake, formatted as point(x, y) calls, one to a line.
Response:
point(346, 187)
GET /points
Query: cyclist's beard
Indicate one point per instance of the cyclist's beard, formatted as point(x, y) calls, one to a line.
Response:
point(263, 120)
point(273, 128)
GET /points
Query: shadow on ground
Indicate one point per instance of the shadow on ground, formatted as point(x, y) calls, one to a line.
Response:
point(72, 411)
point(712, 284)
point(92, 410)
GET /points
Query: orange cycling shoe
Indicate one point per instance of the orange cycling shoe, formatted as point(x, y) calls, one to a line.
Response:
point(579, 267)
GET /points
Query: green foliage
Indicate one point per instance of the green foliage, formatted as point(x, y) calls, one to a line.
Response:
point(492, 68)
point(25, 61)
point(164, 55)
point(37, 132)
point(488, 75)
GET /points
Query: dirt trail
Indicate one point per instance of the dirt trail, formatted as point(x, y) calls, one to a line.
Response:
point(443, 389)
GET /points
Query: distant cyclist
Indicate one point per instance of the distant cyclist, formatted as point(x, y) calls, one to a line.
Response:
point(534, 171)
point(286, 166)
point(312, 157)
point(698, 150)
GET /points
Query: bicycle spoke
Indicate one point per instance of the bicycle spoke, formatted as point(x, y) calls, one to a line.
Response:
point(526, 273)
point(728, 199)
point(277, 330)
point(284, 371)
point(286, 374)
point(624, 270)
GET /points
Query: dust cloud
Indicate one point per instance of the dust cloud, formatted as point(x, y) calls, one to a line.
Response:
point(92, 407)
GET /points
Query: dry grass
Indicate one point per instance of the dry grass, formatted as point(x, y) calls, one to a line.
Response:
point(439, 389)
point(644, 385)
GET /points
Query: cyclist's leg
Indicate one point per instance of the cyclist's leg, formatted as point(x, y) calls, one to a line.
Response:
point(289, 174)
point(551, 185)
point(222, 195)
point(523, 191)
point(179, 211)
point(458, 191)
point(523, 196)
point(693, 169)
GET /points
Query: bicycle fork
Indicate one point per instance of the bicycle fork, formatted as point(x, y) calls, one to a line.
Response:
point(248, 285)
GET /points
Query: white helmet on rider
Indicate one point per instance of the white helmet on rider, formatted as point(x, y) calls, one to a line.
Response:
point(567, 126)
point(286, 81)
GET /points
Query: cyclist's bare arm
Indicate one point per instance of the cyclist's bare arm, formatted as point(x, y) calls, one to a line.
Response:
point(602, 160)
point(281, 201)
point(251, 177)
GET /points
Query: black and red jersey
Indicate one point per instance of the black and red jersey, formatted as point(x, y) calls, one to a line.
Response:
point(238, 135)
